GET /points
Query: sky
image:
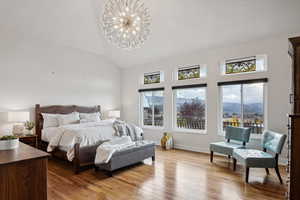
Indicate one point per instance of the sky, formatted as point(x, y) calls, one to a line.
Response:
point(191, 93)
point(253, 93)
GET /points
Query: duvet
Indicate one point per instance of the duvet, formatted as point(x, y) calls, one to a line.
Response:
point(86, 134)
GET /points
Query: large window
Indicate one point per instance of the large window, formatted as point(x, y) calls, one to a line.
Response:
point(243, 105)
point(152, 107)
point(190, 107)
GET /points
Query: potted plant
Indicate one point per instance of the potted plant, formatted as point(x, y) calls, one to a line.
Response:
point(9, 142)
point(29, 127)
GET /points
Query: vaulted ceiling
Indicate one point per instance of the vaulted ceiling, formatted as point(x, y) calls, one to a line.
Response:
point(178, 26)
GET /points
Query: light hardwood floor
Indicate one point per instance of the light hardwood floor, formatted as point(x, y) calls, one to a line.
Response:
point(175, 174)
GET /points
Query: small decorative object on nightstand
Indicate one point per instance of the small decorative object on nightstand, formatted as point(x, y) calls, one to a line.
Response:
point(29, 128)
point(30, 140)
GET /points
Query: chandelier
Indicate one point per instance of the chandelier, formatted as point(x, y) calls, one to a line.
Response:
point(126, 23)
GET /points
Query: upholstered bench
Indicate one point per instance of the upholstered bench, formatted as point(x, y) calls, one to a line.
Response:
point(129, 156)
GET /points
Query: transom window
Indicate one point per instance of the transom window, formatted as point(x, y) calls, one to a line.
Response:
point(191, 72)
point(153, 77)
point(244, 65)
point(190, 107)
point(242, 104)
point(152, 107)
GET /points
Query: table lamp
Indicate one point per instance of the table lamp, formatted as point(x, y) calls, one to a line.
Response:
point(115, 114)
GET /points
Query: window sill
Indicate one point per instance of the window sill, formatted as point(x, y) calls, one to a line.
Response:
point(244, 73)
point(153, 127)
point(190, 131)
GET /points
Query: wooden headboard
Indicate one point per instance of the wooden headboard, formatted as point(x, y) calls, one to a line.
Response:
point(58, 109)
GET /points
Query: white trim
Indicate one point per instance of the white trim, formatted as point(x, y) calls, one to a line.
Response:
point(153, 127)
point(185, 130)
point(191, 148)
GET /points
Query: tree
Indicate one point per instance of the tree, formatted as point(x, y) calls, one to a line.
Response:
point(192, 110)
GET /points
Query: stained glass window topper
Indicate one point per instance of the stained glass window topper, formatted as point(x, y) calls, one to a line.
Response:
point(189, 72)
point(240, 65)
point(150, 78)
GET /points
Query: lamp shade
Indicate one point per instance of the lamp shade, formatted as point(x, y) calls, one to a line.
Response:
point(114, 114)
point(18, 116)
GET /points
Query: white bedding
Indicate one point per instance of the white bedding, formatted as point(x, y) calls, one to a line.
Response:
point(86, 134)
point(107, 149)
point(48, 133)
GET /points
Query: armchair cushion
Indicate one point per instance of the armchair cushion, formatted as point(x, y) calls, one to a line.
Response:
point(237, 133)
point(225, 147)
point(273, 141)
point(254, 158)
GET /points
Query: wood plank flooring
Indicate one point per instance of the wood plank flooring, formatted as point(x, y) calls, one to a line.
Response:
point(176, 175)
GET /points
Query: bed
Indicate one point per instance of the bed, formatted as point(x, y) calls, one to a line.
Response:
point(83, 156)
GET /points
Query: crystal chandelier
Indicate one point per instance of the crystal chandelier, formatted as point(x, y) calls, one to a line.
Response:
point(126, 23)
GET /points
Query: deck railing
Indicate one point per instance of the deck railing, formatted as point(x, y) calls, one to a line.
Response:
point(256, 128)
point(191, 123)
point(186, 123)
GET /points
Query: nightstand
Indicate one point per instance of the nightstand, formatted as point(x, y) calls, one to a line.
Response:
point(30, 140)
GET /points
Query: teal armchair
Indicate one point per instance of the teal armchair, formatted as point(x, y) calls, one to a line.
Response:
point(272, 142)
point(236, 138)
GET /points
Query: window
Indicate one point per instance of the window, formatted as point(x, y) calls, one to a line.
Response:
point(192, 72)
point(152, 107)
point(243, 105)
point(244, 65)
point(153, 77)
point(190, 107)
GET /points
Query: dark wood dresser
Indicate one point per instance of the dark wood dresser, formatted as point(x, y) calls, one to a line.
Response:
point(294, 123)
point(23, 174)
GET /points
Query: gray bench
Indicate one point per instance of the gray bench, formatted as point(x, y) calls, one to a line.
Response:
point(129, 156)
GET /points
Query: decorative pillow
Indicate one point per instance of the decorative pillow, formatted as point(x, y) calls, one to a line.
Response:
point(120, 128)
point(50, 120)
point(90, 117)
point(72, 118)
point(135, 132)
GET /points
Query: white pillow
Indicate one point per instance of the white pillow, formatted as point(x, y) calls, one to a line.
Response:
point(72, 118)
point(50, 120)
point(90, 117)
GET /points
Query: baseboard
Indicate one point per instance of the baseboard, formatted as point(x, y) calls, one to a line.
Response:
point(191, 148)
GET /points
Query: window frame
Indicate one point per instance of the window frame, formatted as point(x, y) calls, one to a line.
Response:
point(174, 113)
point(221, 132)
point(141, 109)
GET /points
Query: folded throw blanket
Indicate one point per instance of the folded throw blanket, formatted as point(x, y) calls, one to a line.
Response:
point(107, 149)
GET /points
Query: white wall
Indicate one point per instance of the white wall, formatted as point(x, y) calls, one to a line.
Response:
point(279, 75)
point(33, 71)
